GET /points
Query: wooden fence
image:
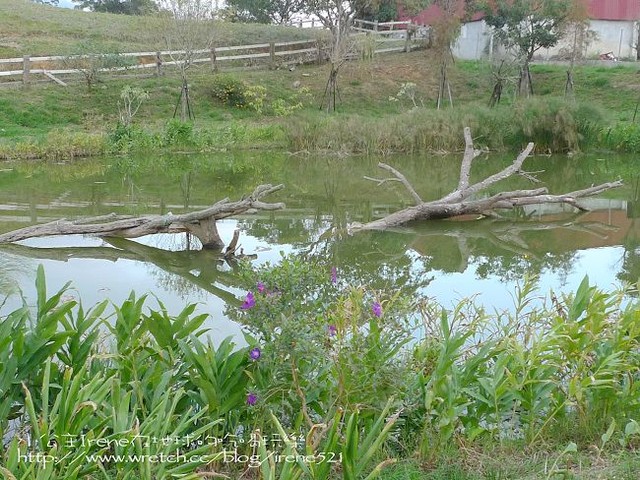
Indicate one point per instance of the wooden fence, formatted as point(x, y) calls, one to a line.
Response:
point(272, 54)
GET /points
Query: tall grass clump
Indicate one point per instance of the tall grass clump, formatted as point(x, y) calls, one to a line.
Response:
point(552, 124)
point(56, 145)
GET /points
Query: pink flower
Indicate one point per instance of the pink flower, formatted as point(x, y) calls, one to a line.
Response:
point(255, 353)
point(261, 287)
point(249, 301)
point(334, 275)
point(377, 309)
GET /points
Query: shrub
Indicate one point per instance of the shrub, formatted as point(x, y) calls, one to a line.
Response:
point(178, 132)
point(624, 137)
point(229, 90)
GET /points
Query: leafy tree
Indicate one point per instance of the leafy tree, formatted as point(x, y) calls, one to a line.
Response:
point(526, 26)
point(125, 7)
point(262, 11)
point(382, 11)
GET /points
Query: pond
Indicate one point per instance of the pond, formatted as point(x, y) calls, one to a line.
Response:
point(447, 260)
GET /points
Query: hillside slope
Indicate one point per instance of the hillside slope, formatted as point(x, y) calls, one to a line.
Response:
point(34, 29)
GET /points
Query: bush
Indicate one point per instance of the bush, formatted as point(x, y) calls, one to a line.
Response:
point(178, 133)
point(229, 90)
point(624, 137)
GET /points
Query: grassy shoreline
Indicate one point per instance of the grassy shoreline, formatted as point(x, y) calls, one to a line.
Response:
point(279, 110)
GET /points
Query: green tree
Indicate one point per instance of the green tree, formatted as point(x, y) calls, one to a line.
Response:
point(262, 11)
point(125, 7)
point(524, 27)
point(382, 10)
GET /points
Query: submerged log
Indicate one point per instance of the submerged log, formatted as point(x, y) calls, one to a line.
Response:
point(201, 224)
point(464, 199)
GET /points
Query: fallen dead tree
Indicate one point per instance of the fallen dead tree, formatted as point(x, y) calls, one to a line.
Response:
point(464, 200)
point(201, 224)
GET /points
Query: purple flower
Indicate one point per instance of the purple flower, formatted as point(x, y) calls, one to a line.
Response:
point(333, 330)
point(255, 353)
point(252, 399)
point(334, 275)
point(249, 302)
point(377, 309)
point(261, 287)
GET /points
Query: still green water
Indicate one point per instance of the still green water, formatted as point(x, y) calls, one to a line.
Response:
point(446, 260)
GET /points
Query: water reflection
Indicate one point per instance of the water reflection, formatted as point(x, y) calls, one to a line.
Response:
point(444, 259)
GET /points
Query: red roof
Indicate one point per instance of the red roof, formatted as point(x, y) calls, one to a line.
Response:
point(598, 10)
point(614, 9)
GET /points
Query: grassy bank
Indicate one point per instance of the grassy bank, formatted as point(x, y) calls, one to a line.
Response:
point(333, 376)
point(278, 109)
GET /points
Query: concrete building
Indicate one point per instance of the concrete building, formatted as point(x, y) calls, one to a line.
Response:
point(615, 24)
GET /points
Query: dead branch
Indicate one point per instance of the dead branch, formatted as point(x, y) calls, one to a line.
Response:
point(470, 154)
point(202, 223)
point(403, 180)
point(465, 198)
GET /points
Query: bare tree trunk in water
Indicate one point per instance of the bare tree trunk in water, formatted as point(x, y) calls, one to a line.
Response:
point(467, 197)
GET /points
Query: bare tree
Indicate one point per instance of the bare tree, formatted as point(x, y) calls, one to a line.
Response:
point(442, 34)
point(187, 32)
point(445, 31)
point(92, 62)
point(579, 36)
point(337, 16)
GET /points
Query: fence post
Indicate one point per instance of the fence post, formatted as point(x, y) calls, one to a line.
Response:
point(26, 69)
point(313, 22)
point(319, 52)
point(407, 39)
point(214, 60)
point(158, 64)
point(272, 55)
point(375, 26)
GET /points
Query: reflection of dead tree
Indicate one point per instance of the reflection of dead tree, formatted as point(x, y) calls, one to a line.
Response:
point(197, 267)
point(506, 234)
point(201, 224)
point(463, 201)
